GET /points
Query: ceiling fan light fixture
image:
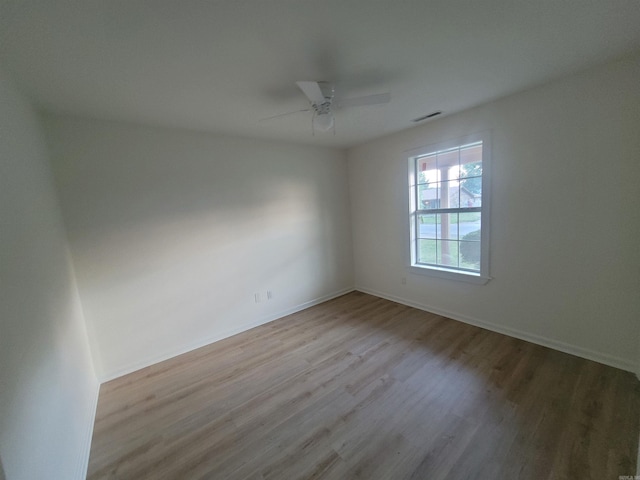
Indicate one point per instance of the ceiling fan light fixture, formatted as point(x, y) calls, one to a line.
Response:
point(323, 121)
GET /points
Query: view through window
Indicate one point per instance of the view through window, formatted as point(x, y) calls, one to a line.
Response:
point(446, 213)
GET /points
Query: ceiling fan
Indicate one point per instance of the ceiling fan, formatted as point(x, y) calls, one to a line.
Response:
point(322, 104)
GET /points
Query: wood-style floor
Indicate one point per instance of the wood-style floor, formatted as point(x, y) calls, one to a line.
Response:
point(364, 388)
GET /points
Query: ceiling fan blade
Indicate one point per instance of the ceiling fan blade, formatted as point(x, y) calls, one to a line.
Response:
point(366, 100)
point(312, 91)
point(284, 114)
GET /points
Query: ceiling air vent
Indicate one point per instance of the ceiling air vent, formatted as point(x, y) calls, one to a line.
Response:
point(431, 115)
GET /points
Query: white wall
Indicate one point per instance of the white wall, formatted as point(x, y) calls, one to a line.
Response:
point(48, 390)
point(565, 232)
point(172, 232)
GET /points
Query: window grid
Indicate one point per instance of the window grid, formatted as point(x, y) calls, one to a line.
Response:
point(440, 237)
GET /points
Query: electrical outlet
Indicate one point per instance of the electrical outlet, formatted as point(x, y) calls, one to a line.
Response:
point(256, 296)
point(269, 295)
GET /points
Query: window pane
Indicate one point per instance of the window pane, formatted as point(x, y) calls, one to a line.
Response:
point(471, 185)
point(471, 153)
point(449, 196)
point(454, 173)
point(427, 251)
point(471, 176)
point(454, 227)
point(448, 226)
point(448, 253)
point(471, 170)
point(428, 226)
point(471, 193)
point(429, 196)
point(426, 169)
point(469, 226)
point(448, 159)
point(470, 248)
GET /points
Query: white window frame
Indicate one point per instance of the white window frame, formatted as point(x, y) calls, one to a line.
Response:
point(453, 273)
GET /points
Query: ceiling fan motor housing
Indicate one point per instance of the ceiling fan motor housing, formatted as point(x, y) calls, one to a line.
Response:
point(322, 108)
point(327, 92)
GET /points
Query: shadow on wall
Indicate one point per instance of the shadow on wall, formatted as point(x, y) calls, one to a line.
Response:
point(161, 198)
point(47, 383)
point(201, 242)
point(125, 176)
point(172, 232)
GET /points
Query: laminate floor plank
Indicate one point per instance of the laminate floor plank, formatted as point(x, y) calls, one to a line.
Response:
point(364, 388)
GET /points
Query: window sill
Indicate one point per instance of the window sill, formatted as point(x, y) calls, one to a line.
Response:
point(456, 275)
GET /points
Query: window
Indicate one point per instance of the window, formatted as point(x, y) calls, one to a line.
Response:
point(448, 209)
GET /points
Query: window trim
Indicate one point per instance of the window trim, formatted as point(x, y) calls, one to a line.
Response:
point(481, 277)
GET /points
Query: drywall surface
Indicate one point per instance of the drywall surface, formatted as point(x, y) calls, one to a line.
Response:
point(565, 227)
point(48, 390)
point(173, 233)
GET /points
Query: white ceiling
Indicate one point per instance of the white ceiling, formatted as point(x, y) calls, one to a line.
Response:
point(222, 65)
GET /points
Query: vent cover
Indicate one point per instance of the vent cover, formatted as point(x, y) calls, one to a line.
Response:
point(431, 115)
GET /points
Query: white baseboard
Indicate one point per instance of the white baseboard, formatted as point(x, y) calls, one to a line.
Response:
point(599, 357)
point(221, 335)
point(86, 449)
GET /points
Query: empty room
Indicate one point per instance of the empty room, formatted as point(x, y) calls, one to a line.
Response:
point(285, 239)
